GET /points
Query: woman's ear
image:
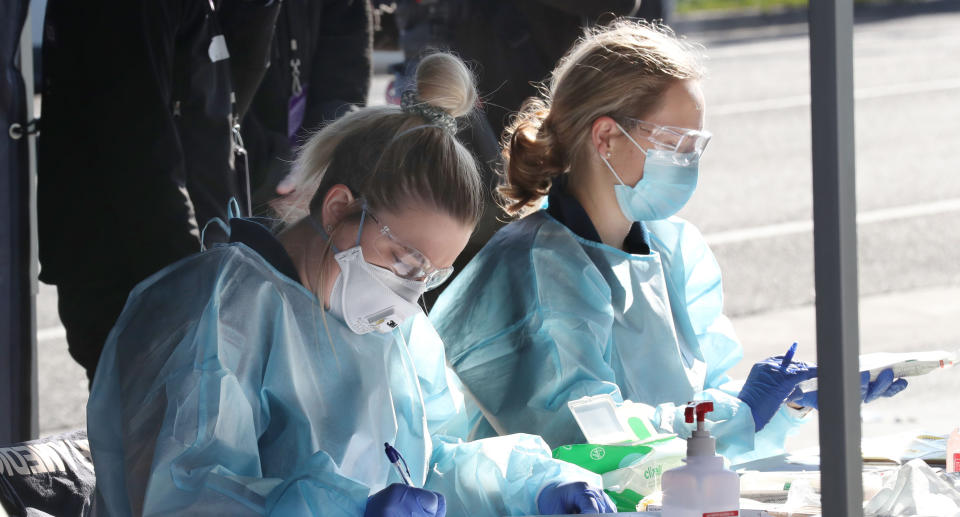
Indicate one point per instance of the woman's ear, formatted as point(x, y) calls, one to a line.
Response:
point(336, 206)
point(602, 133)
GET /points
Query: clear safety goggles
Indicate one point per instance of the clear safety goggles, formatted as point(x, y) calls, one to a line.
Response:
point(686, 144)
point(406, 261)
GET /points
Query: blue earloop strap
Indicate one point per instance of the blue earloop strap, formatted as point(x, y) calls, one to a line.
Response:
point(233, 208)
point(203, 233)
point(233, 211)
point(363, 217)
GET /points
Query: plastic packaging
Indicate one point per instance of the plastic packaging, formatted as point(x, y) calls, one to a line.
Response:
point(630, 472)
point(605, 422)
point(623, 446)
point(702, 487)
point(915, 489)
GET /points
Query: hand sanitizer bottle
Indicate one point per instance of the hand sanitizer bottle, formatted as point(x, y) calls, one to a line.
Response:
point(702, 487)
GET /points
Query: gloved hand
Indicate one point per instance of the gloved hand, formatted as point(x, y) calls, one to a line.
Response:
point(769, 385)
point(884, 386)
point(574, 497)
point(405, 501)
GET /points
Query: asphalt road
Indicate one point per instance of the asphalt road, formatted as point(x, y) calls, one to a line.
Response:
point(754, 202)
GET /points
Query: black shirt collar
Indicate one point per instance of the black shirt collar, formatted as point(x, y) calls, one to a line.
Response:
point(568, 211)
point(258, 238)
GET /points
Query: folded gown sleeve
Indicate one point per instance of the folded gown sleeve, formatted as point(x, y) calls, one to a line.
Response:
point(492, 476)
point(732, 420)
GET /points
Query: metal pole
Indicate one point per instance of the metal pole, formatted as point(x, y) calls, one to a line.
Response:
point(33, 257)
point(835, 255)
point(18, 380)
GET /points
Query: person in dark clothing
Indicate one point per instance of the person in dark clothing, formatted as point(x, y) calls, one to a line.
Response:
point(137, 152)
point(516, 43)
point(512, 45)
point(320, 69)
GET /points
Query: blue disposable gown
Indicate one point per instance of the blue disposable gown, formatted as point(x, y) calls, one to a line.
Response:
point(221, 390)
point(542, 316)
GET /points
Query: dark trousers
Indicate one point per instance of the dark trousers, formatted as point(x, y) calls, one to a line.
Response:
point(88, 312)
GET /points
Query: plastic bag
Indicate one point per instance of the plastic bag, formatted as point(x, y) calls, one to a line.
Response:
point(915, 490)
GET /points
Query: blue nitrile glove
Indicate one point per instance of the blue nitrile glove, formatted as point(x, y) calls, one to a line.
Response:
point(769, 385)
point(574, 497)
point(405, 501)
point(884, 386)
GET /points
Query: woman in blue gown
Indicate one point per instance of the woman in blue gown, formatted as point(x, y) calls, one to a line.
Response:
point(264, 376)
point(604, 290)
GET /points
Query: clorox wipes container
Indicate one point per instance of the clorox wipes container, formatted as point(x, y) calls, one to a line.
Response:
point(702, 487)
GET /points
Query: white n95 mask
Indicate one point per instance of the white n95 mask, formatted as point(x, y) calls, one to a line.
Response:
point(370, 298)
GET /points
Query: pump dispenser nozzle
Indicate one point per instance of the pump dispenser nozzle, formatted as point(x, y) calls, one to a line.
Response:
point(700, 409)
point(701, 443)
point(703, 486)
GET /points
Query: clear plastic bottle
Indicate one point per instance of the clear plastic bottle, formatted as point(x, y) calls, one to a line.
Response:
point(702, 487)
point(953, 451)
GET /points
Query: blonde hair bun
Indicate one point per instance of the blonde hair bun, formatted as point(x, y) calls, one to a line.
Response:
point(445, 82)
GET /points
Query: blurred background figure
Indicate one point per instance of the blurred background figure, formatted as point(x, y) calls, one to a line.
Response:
point(515, 44)
point(140, 100)
point(320, 68)
point(512, 45)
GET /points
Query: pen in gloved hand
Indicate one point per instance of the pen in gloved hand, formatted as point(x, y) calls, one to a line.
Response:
point(783, 368)
point(395, 458)
point(788, 357)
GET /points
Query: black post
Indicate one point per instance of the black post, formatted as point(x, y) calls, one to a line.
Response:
point(835, 255)
point(18, 401)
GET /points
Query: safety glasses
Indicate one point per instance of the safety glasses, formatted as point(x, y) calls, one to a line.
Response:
point(688, 144)
point(405, 261)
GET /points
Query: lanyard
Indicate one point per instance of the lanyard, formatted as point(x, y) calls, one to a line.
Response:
point(296, 87)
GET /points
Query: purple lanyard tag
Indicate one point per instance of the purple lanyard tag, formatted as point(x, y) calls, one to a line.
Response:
point(296, 109)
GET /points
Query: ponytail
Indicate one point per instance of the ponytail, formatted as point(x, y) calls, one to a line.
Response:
point(532, 158)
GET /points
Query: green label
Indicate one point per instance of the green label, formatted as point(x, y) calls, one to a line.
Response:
point(600, 459)
point(626, 501)
point(639, 428)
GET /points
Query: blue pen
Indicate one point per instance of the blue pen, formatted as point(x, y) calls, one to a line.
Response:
point(395, 458)
point(788, 357)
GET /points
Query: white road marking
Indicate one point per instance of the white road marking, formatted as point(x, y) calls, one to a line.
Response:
point(758, 232)
point(874, 92)
point(867, 38)
point(797, 227)
point(47, 334)
point(754, 49)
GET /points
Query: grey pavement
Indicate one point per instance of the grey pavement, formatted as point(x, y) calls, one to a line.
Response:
point(757, 170)
point(754, 205)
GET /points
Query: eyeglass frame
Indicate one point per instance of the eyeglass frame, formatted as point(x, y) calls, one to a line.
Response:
point(681, 132)
point(434, 276)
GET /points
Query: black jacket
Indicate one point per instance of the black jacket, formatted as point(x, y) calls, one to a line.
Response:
point(137, 114)
point(518, 42)
point(320, 66)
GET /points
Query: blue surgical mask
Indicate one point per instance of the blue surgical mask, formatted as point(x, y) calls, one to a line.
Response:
point(665, 187)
